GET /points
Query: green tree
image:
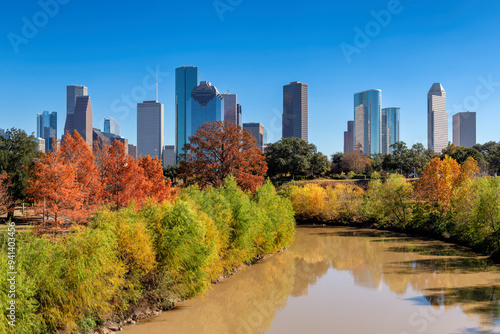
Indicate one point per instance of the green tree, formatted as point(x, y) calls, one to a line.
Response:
point(171, 172)
point(290, 155)
point(491, 154)
point(319, 164)
point(17, 154)
point(460, 154)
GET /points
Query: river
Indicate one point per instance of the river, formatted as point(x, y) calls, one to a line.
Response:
point(346, 280)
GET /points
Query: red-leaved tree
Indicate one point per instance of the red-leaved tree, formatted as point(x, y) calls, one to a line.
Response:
point(122, 178)
point(155, 185)
point(218, 149)
point(5, 200)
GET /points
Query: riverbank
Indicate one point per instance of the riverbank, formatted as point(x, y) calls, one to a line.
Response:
point(462, 208)
point(147, 309)
point(132, 263)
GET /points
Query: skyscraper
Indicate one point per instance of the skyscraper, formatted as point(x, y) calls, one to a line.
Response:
point(2, 133)
point(150, 130)
point(437, 119)
point(169, 156)
point(72, 93)
point(111, 126)
point(46, 128)
point(186, 78)
point(132, 150)
point(230, 108)
point(367, 121)
point(204, 105)
point(295, 111)
point(464, 129)
point(257, 131)
point(239, 114)
point(390, 128)
point(349, 137)
point(82, 119)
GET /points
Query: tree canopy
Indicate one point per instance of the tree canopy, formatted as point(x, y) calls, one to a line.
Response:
point(219, 149)
point(296, 157)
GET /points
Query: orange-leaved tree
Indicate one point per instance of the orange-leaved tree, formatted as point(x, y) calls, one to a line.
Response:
point(219, 149)
point(122, 178)
point(53, 186)
point(5, 200)
point(155, 184)
point(438, 180)
point(76, 153)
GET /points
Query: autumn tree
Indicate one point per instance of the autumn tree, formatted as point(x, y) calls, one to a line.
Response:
point(437, 181)
point(354, 161)
point(155, 185)
point(219, 149)
point(76, 153)
point(5, 201)
point(122, 178)
point(53, 185)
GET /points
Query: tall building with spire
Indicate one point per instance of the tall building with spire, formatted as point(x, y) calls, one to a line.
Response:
point(186, 79)
point(204, 105)
point(230, 108)
point(367, 121)
point(295, 111)
point(437, 119)
point(150, 129)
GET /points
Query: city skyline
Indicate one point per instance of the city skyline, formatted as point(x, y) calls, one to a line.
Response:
point(120, 72)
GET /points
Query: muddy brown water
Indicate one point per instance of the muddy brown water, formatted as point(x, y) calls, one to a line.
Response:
point(346, 280)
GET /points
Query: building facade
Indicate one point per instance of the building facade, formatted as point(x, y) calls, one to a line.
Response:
point(46, 128)
point(169, 156)
point(437, 118)
point(150, 129)
point(72, 93)
point(239, 114)
point(132, 150)
point(186, 79)
point(111, 126)
point(295, 111)
point(464, 129)
point(367, 121)
point(349, 137)
point(106, 138)
point(257, 131)
point(390, 128)
point(41, 144)
point(230, 108)
point(204, 105)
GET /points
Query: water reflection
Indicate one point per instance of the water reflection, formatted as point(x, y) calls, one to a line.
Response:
point(445, 276)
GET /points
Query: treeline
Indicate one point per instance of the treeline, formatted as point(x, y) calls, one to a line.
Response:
point(449, 201)
point(411, 161)
point(70, 183)
point(156, 253)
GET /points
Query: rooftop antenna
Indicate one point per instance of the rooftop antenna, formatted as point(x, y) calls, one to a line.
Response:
point(156, 85)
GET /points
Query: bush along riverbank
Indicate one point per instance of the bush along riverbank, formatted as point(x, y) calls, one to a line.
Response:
point(132, 261)
point(449, 202)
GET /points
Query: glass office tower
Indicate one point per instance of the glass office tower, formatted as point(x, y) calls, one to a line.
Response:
point(204, 105)
point(186, 78)
point(367, 121)
point(111, 126)
point(46, 128)
point(390, 128)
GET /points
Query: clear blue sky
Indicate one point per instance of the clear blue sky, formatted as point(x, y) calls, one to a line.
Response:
point(256, 48)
